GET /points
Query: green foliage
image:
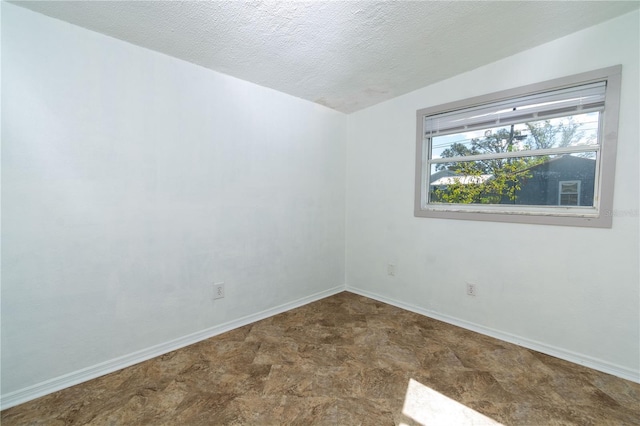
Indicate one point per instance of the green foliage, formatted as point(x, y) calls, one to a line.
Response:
point(502, 187)
point(544, 135)
point(495, 181)
point(492, 143)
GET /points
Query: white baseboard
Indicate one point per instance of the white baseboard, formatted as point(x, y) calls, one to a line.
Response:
point(577, 358)
point(49, 386)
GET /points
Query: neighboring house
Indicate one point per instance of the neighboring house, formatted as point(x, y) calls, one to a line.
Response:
point(566, 180)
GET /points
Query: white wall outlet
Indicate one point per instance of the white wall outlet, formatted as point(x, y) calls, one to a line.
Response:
point(218, 290)
point(391, 269)
point(471, 289)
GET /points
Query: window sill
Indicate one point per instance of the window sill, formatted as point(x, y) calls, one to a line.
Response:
point(587, 217)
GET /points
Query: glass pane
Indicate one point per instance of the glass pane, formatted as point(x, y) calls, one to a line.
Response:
point(575, 130)
point(569, 187)
point(532, 180)
point(569, 200)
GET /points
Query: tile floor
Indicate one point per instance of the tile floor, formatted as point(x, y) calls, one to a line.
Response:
point(344, 360)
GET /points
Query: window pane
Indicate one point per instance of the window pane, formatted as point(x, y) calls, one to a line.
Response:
point(569, 131)
point(569, 200)
point(569, 187)
point(532, 180)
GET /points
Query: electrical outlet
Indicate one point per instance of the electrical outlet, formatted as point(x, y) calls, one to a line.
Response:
point(218, 290)
point(391, 270)
point(471, 289)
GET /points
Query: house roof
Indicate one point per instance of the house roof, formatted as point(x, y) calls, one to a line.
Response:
point(566, 158)
point(465, 180)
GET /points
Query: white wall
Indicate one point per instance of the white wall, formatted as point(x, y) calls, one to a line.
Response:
point(570, 291)
point(131, 181)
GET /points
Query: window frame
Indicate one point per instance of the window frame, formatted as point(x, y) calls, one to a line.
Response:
point(598, 216)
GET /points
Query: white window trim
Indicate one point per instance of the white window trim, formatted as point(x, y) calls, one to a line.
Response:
point(569, 216)
point(560, 193)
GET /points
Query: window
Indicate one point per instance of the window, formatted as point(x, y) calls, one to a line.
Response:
point(569, 193)
point(543, 153)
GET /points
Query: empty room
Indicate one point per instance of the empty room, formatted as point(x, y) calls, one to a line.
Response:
point(320, 212)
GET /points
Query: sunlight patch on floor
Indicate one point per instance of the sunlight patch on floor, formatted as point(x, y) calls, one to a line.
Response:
point(428, 407)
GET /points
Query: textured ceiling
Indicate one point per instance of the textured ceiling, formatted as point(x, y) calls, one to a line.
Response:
point(345, 55)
